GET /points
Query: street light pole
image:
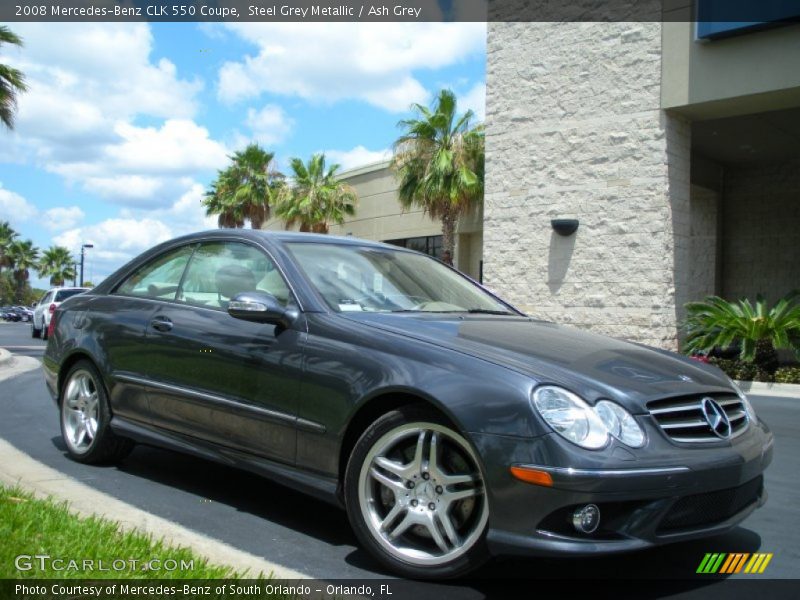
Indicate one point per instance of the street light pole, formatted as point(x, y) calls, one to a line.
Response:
point(83, 252)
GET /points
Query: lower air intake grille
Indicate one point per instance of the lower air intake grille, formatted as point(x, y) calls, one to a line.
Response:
point(684, 419)
point(711, 508)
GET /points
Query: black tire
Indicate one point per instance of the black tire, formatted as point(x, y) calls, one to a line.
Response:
point(36, 333)
point(44, 329)
point(403, 424)
point(104, 446)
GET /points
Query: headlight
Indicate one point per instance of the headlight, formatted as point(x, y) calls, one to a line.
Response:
point(570, 417)
point(620, 423)
point(751, 414)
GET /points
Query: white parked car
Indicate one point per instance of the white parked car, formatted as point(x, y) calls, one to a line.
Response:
point(47, 306)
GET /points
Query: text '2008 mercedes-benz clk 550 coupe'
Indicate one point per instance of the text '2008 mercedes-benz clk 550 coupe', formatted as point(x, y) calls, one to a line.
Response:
point(450, 426)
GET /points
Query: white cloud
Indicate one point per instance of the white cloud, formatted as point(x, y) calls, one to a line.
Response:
point(356, 157)
point(179, 146)
point(116, 240)
point(475, 100)
point(86, 88)
point(270, 125)
point(14, 208)
point(326, 62)
point(62, 217)
point(99, 71)
point(187, 215)
point(147, 166)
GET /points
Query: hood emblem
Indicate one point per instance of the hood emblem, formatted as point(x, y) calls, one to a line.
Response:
point(716, 418)
point(685, 378)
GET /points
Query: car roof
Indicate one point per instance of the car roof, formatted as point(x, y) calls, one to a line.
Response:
point(286, 237)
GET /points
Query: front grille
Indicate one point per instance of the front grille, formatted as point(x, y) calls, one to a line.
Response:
point(682, 418)
point(712, 507)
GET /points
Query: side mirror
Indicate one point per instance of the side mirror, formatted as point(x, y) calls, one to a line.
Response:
point(260, 307)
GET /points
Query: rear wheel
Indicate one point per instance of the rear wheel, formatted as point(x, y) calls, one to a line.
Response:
point(35, 332)
point(44, 329)
point(85, 418)
point(415, 497)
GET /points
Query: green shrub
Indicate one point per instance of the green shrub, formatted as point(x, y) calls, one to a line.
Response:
point(741, 369)
point(757, 329)
point(729, 366)
point(787, 375)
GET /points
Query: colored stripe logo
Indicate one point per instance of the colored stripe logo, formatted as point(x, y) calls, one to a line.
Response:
point(736, 562)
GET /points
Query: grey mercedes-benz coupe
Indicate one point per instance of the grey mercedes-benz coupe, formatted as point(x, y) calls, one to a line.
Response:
point(450, 426)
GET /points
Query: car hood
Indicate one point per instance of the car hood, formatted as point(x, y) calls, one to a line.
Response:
point(592, 365)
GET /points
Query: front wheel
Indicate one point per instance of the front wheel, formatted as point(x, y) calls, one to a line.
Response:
point(415, 497)
point(85, 418)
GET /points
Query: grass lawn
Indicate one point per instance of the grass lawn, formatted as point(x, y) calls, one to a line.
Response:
point(30, 527)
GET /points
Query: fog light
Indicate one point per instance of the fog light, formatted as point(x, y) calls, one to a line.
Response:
point(586, 519)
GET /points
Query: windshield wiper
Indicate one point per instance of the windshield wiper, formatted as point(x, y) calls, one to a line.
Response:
point(487, 311)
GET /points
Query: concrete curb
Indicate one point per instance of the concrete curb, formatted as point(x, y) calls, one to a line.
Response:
point(17, 468)
point(759, 388)
point(5, 357)
point(16, 365)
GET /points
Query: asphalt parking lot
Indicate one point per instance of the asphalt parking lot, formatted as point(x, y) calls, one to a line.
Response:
point(301, 533)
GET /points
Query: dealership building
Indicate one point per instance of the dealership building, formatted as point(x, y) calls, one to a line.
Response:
point(674, 147)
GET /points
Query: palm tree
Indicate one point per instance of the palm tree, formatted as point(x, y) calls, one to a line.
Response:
point(12, 81)
point(57, 263)
point(215, 202)
point(439, 160)
point(317, 198)
point(23, 257)
point(758, 330)
point(7, 237)
point(245, 190)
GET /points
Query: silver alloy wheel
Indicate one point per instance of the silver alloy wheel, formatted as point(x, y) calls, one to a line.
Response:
point(80, 411)
point(421, 494)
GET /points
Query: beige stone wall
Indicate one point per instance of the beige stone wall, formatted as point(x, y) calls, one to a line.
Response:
point(574, 129)
point(703, 263)
point(761, 231)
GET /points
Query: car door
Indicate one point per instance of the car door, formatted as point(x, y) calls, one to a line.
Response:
point(119, 323)
point(225, 380)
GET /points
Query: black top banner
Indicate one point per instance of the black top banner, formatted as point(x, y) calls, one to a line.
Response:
point(739, 11)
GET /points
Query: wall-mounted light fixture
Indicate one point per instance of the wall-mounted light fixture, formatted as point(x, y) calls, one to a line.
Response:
point(564, 226)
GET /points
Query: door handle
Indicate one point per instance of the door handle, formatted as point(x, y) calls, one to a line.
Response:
point(161, 324)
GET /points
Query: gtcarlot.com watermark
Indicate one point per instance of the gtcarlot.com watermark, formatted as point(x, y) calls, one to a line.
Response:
point(45, 562)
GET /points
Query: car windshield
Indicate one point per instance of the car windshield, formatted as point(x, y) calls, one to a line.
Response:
point(367, 278)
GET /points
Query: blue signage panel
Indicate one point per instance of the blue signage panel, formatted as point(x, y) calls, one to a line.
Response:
point(722, 18)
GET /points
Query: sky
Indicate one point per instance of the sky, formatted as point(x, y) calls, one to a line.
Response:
point(124, 125)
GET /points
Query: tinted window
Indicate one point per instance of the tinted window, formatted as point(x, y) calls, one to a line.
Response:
point(219, 271)
point(158, 278)
point(62, 295)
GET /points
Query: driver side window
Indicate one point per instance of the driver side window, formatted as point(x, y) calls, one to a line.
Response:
point(219, 271)
point(159, 278)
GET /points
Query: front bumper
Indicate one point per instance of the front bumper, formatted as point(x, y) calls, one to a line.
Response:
point(661, 494)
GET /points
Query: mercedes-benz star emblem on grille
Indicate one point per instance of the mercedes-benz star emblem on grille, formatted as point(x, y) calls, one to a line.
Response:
point(716, 418)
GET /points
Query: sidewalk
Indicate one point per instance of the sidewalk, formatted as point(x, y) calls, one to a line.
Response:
point(783, 390)
point(11, 365)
